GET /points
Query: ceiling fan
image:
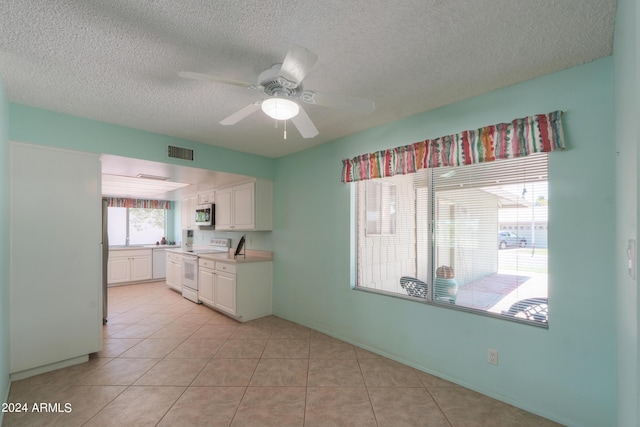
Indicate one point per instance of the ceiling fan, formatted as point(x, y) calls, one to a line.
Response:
point(282, 84)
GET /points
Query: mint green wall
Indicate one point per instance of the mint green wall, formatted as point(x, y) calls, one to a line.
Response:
point(4, 245)
point(627, 110)
point(35, 125)
point(170, 218)
point(566, 373)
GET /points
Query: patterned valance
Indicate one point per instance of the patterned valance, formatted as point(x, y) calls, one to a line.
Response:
point(120, 202)
point(521, 137)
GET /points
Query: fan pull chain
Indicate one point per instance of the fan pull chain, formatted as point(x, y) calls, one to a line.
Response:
point(285, 127)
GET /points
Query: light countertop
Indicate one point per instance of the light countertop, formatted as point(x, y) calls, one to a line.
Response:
point(132, 248)
point(251, 255)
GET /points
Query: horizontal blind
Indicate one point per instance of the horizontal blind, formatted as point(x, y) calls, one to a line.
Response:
point(497, 173)
point(386, 232)
point(471, 236)
point(490, 229)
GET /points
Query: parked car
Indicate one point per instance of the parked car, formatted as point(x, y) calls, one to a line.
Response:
point(507, 239)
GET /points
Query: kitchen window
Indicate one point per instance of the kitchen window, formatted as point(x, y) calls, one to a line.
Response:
point(471, 237)
point(136, 226)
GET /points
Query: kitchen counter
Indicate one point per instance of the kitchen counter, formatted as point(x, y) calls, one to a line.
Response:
point(128, 248)
point(251, 256)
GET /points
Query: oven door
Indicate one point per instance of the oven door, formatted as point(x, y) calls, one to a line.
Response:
point(190, 277)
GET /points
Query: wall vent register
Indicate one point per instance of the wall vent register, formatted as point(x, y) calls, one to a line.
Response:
point(180, 153)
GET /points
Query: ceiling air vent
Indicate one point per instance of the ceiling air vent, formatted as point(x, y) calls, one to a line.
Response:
point(180, 153)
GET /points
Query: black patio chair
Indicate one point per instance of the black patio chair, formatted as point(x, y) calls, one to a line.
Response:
point(414, 287)
point(536, 309)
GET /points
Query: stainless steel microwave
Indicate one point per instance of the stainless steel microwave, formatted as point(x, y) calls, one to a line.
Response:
point(205, 215)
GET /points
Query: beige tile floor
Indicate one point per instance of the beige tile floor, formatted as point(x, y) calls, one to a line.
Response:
point(169, 362)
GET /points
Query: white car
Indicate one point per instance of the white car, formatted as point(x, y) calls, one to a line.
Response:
point(508, 239)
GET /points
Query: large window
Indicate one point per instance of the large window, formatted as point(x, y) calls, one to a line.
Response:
point(136, 226)
point(470, 237)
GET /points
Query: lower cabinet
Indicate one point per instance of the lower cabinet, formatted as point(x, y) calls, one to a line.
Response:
point(129, 266)
point(226, 293)
point(206, 281)
point(174, 271)
point(119, 269)
point(242, 291)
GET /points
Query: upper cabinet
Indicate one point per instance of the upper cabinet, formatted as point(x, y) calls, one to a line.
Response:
point(206, 198)
point(245, 207)
point(188, 210)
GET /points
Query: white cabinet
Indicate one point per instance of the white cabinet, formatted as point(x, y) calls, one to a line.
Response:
point(206, 198)
point(226, 291)
point(188, 213)
point(242, 291)
point(129, 266)
point(142, 267)
point(245, 207)
point(118, 270)
point(174, 271)
point(224, 206)
point(206, 281)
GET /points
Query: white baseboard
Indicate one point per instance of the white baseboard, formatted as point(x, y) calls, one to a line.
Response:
point(46, 368)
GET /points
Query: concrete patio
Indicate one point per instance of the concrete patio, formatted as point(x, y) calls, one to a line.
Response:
point(496, 292)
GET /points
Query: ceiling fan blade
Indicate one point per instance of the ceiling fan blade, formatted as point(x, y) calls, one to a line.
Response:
point(210, 78)
point(304, 124)
point(297, 63)
point(343, 102)
point(241, 114)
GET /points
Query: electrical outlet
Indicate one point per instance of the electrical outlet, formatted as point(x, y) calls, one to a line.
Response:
point(492, 356)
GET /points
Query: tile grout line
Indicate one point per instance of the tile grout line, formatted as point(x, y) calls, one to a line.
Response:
point(438, 406)
point(192, 380)
point(127, 387)
point(367, 389)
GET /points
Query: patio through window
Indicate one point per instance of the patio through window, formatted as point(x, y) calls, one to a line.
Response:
point(469, 237)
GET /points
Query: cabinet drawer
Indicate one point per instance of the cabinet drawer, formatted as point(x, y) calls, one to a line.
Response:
point(227, 268)
point(129, 253)
point(207, 263)
point(174, 257)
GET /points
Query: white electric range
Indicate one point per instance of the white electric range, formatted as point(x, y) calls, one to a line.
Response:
point(190, 266)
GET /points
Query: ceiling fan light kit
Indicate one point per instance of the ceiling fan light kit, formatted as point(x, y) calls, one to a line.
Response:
point(282, 83)
point(280, 108)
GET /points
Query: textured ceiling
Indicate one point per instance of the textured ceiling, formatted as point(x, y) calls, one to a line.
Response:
point(117, 60)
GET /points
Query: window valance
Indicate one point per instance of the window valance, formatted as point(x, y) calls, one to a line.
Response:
point(521, 137)
point(121, 202)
